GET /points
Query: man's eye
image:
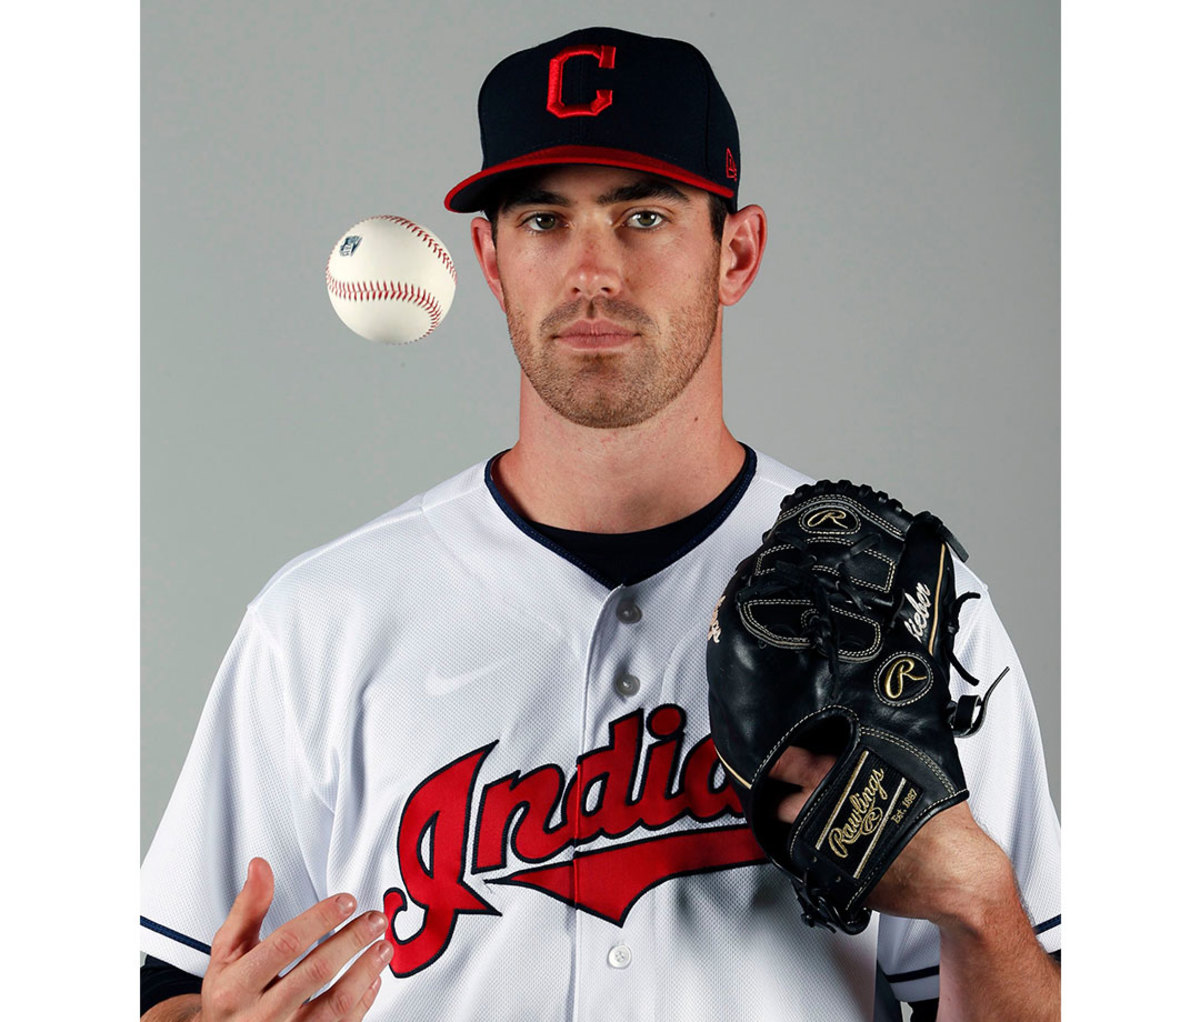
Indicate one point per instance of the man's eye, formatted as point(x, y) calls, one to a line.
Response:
point(541, 222)
point(645, 218)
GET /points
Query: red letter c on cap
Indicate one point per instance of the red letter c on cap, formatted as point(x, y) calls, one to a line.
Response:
point(606, 55)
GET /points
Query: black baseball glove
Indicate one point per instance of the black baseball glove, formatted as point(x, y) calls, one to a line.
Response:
point(837, 636)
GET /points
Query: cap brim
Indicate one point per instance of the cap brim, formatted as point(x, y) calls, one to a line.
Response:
point(470, 195)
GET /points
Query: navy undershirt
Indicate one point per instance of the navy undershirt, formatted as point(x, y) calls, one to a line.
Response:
point(625, 558)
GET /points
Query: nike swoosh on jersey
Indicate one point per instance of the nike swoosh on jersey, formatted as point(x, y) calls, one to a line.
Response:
point(439, 684)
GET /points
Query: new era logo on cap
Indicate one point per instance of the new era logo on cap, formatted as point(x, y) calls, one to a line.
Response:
point(609, 97)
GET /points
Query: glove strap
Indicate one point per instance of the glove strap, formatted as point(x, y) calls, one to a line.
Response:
point(952, 627)
point(966, 716)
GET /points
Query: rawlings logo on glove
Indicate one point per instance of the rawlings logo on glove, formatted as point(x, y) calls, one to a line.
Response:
point(837, 636)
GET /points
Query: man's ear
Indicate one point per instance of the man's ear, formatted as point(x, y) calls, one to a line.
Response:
point(742, 245)
point(485, 252)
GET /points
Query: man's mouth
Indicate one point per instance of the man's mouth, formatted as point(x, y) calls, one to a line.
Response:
point(595, 335)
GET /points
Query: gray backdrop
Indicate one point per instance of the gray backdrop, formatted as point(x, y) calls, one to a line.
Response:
point(903, 330)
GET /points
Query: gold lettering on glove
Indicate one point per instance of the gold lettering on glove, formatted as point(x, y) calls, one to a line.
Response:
point(909, 799)
point(901, 671)
point(828, 516)
point(865, 816)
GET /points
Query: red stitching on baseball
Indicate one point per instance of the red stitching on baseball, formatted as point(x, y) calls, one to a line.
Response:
point(374, 290)
point(434, 245)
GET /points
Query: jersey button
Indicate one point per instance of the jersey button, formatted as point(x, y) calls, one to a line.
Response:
point(619, 956)
point(627, 685)
point(628, 612)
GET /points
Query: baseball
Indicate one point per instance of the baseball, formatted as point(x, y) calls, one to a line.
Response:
point(390, 280)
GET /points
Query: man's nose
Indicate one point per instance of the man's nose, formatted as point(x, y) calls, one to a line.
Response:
point(595, 263)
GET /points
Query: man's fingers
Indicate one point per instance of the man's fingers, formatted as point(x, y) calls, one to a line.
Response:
point(801, 770)
point(252, 966)
point(240, 931)
point(369, 997)
point(790, 805)
point(350, 997)
point(291, 940)
point(323, 963)
point(802, 767)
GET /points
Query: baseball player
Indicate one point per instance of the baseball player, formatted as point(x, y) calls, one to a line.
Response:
point(467, 744)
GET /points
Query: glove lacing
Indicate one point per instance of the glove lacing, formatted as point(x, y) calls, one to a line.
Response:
point(794, 576)
point(965, 715)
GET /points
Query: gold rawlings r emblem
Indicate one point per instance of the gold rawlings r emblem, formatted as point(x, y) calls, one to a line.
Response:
point(901, 671)
point(832, 516)
point(903, 678)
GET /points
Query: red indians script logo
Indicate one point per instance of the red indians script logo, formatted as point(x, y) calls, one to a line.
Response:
point(536, 816)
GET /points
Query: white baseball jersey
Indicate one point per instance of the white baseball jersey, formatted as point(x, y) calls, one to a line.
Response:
point(443, 714)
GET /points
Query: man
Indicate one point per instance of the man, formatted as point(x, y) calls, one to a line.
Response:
point(481, 718)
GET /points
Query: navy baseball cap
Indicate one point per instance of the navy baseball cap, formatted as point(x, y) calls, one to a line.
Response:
point(608, 97)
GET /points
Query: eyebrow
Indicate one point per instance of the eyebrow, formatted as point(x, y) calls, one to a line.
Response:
point(647, 188)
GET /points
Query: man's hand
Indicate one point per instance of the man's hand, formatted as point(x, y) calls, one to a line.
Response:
point(801, 770)
point(934, 876)
point(951, 873)
point(243, 982)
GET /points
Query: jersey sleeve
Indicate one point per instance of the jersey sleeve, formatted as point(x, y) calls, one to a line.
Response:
point(245, 790)
point(1009, 797)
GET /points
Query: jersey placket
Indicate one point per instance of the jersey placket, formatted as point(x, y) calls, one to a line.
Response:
point(614, 947)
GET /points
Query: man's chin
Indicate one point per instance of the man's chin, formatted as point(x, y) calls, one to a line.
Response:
point(598, 411)
point(603, 417)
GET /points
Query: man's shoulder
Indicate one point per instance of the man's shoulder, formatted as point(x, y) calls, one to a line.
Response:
point(758, 504)
point(400, 539)
point(772, 474)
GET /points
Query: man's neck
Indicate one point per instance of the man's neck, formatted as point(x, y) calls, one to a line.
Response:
point(619, 480)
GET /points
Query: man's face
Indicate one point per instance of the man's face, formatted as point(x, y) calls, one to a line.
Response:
point(609, 282)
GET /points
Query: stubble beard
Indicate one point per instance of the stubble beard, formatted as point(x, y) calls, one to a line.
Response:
point(612, 390)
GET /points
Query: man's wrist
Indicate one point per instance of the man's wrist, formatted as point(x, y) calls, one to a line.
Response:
point(980, 897)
